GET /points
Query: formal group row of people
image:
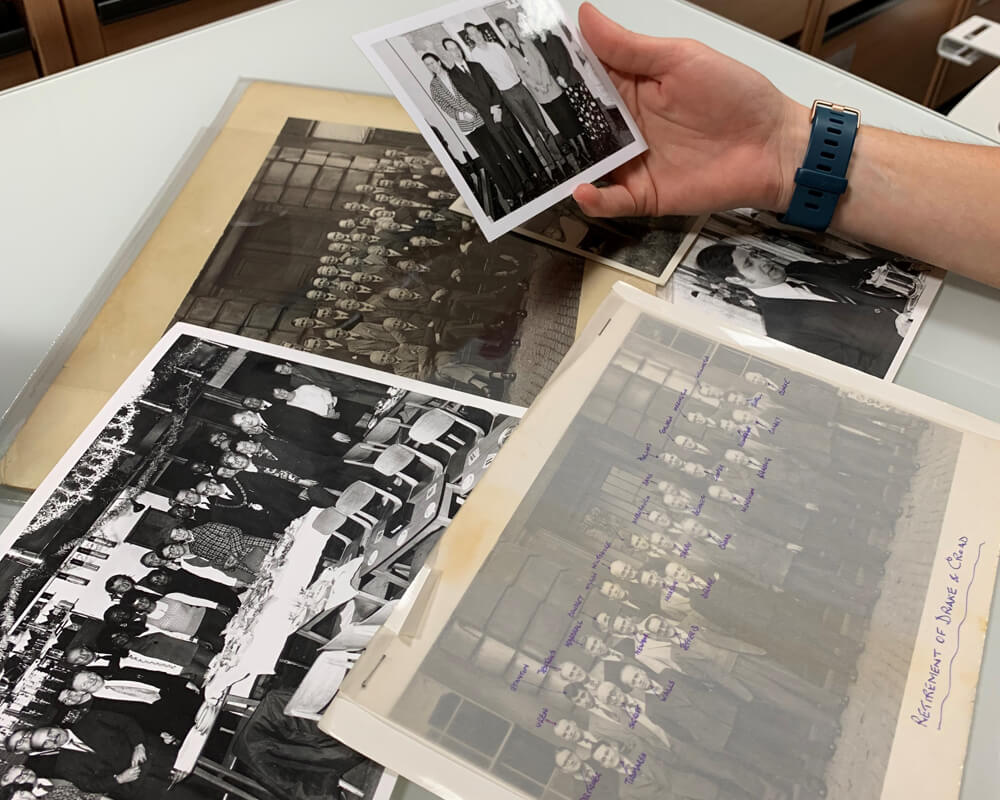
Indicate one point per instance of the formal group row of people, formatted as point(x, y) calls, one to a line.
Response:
point(411, 287)
point(134, 683)
point(726, 629)
point(502, 86)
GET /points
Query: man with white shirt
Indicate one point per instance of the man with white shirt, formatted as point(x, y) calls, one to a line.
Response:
point(517, 100)
point(314, 399)
point(814, 306)
point(158, 710)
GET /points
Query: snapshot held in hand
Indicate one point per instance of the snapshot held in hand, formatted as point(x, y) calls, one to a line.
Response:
point(511, 99)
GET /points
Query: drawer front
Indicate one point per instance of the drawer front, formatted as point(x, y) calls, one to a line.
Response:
point(778, 19)
point(897, 48)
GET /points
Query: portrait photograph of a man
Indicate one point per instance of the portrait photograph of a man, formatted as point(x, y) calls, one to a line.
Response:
point(852, 303)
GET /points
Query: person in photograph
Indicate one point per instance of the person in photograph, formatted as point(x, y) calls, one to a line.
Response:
point(104, 752)
point(156, 709)
point(537, 77)
point(813, 306)
point(112, 667)
point(590, 112)
point(475, 84)
point(183, 578)
point(171, 615)
point(164, 653)
point(215, 544)
point(453, 104)
point(517, 100)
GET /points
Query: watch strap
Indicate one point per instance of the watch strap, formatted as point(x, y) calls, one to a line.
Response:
point(822, 178)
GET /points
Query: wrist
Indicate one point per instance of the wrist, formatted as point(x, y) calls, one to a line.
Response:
point(792, 143)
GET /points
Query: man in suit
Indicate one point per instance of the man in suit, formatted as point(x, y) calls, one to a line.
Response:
point(358, 390)
point(816, 307)
point(475, 85)
point(168, 577)
point(104, 753)
point(482, 137)
point(158, 710)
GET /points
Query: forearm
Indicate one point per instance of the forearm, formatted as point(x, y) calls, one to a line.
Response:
point(926, 198)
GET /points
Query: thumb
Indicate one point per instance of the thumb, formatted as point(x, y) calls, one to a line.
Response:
point(621, 49)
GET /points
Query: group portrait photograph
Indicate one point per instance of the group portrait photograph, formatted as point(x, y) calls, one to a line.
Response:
point(186, 590)
point(344, 246)
point(513, 102)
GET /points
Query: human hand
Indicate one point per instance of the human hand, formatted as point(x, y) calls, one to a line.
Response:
point(720, 134)
point(497, 113)
point(561, 81)
point(439, 295)
point(138, 755)
point(131, 775)
point(307, 482)
point(465, 116)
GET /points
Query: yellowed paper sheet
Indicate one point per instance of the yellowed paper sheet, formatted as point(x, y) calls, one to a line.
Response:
point(144, 303)
point(643, 595)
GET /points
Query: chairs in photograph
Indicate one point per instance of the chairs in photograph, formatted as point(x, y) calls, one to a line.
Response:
point(355, 499)
point(329, 522)
point(223, 774)
point(385, 430)
point(396, 458)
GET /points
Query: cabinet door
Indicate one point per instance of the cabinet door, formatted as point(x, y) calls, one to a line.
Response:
point(894, 46)
point(776, 18)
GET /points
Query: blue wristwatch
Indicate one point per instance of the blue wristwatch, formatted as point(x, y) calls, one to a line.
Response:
point(822, 178)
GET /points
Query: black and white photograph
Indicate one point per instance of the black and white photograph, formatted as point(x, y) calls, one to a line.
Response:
point(855, 304)
point(646, 247)
point(511, 99)
point(187, 589)
point(344, 246)
point(711, 589)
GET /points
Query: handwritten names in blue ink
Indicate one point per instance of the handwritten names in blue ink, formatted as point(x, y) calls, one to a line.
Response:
point(517, 680)
point(572, 634)
point(633, 771)
point(547, 663)
point(689, 639)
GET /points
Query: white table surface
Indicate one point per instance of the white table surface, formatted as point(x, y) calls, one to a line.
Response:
point(86, 152)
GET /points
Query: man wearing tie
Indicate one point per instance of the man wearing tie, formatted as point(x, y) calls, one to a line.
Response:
point(105, 753)
point(474, 83)
point(814, 306)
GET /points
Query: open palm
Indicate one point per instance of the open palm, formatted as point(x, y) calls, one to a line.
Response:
point(717, 130)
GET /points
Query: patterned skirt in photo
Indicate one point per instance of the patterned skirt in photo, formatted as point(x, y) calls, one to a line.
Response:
point(592, 118)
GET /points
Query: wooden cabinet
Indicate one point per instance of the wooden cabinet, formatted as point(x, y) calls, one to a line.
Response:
point(893, 45)
point(779, 19)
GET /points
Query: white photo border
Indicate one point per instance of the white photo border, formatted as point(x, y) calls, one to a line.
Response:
point(492, 229)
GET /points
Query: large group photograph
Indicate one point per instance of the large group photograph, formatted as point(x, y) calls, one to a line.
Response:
point(187, 589)
point(344, 246)
point(514, 103)
point(713, 589)
point(852, 303)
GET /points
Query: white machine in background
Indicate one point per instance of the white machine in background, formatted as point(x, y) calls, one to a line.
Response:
point(965, 44)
